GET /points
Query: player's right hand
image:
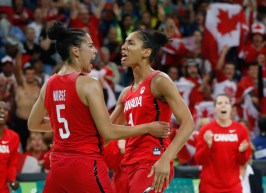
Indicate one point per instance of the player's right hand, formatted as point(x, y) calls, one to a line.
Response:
point(159, 129)
point(208, 135)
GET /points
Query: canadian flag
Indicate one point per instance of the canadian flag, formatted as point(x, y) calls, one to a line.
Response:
point(224, 25)
point(204, 109)
point(251, 114)
point(185, 87)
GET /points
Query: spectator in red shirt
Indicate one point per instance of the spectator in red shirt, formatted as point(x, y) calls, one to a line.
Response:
point(36, 146)
point(81, 18)
point(257, 45)
point(222, 146)
point(21, 15)
point(9, 144)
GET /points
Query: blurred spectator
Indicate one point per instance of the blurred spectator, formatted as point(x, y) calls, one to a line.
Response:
point(175, 51)
point(126, 26)
point(47, 8)
point(224, 76)
point(83, 19)
point(114, 46)
point(48, 50)
point(251, 179)
point(41, 76)
point(9, 143)
point(9, 82)
point(222, 146)
point(32, 49)
point(36, 147)
point(146, 20)
point(37, 24)
point(173, 73)
point(21, 15)
point(110, 70)
point(254, 48)
point(156, 11)
point(260, 141)
point(201, 87)
point(27, 92)
point(248, 85)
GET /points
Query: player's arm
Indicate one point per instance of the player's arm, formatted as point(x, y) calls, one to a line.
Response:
point(118, 116)
point(36, 121)
point(12, 164)
point(92, 91)
point(163, 88)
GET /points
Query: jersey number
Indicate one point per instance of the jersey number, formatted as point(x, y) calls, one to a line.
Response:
point(130, 121)
point(64, 132)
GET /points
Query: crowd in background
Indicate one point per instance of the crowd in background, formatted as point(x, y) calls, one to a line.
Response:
point(28, 58)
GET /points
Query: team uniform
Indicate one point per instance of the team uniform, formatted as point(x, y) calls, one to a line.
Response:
point(78, 147)
point(220, 163)
point(9, 145)
point(140, 106)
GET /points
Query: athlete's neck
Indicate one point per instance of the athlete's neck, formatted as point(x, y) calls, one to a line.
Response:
point(68, 69)
point(141, 73)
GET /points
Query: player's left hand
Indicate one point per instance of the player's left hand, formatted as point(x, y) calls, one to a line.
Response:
point(159, 129)
point(14, 185)
point(161, 171)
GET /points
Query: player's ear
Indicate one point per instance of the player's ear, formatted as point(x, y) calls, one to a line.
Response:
point(147, 52)
point(75, 51)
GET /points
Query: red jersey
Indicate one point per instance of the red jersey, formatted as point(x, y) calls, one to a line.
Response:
point(71, 120)
point(220, 163)
point(9, 145)
point(140, 106)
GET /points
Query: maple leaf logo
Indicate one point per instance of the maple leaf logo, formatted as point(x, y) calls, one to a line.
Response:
point(226, 24)
point(205, 113)
point(229, 91)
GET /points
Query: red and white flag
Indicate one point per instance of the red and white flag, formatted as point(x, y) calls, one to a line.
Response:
point(224, 25)
point(251, 114)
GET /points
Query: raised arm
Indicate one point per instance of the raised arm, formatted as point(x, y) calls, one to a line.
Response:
point(91, 93)
point(18, 69)
point(37, 120)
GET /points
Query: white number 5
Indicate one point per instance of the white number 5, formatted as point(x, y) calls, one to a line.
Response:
point(63, 134)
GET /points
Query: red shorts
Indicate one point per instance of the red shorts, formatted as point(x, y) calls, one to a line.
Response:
point(83, 175)
point(137, 180)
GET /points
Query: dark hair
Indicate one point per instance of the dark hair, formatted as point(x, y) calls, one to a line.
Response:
point(215, 100)
point(65, 38)
point(28, 68)
point(262, 124)
point(154, 40)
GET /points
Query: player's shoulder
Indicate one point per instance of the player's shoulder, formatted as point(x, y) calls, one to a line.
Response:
point(124, 92)
point(161, 76)
point(11, 134)
point(84, 80)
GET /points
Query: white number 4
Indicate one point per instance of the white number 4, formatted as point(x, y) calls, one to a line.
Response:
point(63, 134)
point(130, 121)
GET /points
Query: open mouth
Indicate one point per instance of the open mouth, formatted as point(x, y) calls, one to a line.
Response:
point(124, 56)
point(223, 112)
point(2, 117)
